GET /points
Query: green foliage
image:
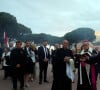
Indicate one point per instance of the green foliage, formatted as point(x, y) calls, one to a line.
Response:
point(38, 38)
point(23, 29)
point(7, 22)
point(14, 30)
point(80, 34)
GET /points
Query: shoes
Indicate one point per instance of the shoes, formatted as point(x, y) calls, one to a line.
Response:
point(40, 82)
point(14, 89)
point(22, 89)
point(46, 81)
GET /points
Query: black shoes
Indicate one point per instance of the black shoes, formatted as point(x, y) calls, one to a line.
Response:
point(14, 89)
point(40, 82)
point(46, 81)
point(22, 89)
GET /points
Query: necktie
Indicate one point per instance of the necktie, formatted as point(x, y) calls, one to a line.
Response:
point(28, 51)
point(45, 51)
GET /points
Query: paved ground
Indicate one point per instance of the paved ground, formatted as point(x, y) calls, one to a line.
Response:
point(7, 85)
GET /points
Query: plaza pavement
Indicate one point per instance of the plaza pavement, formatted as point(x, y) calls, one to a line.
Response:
point(7, 84)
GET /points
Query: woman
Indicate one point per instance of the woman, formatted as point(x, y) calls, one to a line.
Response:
point(34, 60)
point(6, 62)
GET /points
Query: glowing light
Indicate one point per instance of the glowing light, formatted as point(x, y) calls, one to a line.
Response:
point(97, 33)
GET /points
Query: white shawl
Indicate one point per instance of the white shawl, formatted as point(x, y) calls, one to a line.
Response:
point(87, 65)
point(69, 69)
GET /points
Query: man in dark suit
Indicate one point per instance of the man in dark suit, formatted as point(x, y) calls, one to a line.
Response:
point(18, 61)
point(44, 56)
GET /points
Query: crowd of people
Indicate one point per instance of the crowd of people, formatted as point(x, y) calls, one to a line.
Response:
point(18, 62)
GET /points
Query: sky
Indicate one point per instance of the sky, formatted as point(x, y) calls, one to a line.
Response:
point(55, 17)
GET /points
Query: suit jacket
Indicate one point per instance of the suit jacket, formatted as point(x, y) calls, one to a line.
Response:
point(25, 48)
point(41, 54)
point(28, 57)
point(18, 56)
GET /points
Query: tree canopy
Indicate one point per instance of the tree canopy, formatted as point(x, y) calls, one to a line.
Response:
point(80, 34)
point(9, 24)
point(15, 30)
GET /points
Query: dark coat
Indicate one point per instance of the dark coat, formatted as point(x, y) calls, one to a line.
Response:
point(61, 81)
point(18, 56)
point(41, 54)
point(28, 57)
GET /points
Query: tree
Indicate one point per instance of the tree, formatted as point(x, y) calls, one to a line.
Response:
point(38, 38)
point(80, 34)
point(9, 24)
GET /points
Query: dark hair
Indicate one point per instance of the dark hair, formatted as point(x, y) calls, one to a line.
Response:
point(44, 41)
point(18, 42)
point(27, 41)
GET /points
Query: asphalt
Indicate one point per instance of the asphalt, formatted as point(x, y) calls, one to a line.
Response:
point(7, 84)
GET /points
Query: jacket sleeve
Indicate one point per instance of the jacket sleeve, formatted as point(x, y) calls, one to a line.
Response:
point(40, 54)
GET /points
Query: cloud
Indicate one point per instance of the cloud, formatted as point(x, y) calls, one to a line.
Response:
point(55, 17)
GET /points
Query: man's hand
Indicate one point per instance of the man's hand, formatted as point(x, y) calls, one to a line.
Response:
point(45, 60)
point(18, 66)
point(66, 59)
